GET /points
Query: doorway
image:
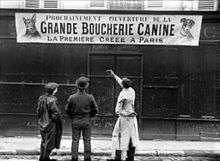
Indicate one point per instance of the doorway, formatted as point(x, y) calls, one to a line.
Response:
point(106, 90)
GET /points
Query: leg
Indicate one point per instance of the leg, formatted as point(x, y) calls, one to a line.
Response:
point(76, 131)
point(50, 137)
point(131, 152)
point(87, 142)
point(44, 152)
point(59, 131)
point(42, 146)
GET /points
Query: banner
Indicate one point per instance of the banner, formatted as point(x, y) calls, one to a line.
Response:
point(108, 29)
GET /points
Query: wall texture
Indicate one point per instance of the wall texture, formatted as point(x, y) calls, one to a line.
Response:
point(177, 87)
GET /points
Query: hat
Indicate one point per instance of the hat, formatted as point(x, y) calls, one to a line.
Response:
point(51, 85)
point(82, 82)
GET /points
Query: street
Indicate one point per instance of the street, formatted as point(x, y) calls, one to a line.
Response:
point(27, 149)
point(102, 158)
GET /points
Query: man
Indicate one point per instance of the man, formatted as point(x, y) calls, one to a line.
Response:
point(49, 120)
point(81, 108)
point(125, 135)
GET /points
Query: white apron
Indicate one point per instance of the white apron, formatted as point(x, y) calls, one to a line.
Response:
point(126, 127)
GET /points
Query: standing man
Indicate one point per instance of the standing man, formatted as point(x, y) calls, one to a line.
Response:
point(81, 108)
point(49, 120)
point(125, 135)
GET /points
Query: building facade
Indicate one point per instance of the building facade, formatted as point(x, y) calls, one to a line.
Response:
point(177, 87)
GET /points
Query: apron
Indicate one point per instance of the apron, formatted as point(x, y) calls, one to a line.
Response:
point(126, 127)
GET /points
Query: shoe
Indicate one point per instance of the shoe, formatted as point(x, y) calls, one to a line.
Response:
point(88, 159)
point(53, 159)
point(130, 154)
point(74, 159)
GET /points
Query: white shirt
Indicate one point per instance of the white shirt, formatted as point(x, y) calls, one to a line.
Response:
point(128, 96)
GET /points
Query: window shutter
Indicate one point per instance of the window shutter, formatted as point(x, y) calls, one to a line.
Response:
point(206, 5)
point(126, 4)
point(97, 3)
point(155, 4)
point(31, 3)
point(50, 4)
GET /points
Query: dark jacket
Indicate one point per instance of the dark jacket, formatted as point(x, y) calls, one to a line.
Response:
point(49, 119)
point(81, 104)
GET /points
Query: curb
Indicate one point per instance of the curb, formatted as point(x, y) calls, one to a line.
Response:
point(197, 153)
point(153, 153)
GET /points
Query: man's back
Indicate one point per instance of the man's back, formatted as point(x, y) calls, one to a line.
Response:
point(80, 108)
point(81, 103)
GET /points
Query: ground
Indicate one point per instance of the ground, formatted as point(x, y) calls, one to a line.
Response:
point(27, 149)
point(103, 158)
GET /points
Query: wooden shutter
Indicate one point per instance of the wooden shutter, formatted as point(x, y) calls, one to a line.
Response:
point(31, 3)
point(207, 5)
point(97, 3)
point(50, 4)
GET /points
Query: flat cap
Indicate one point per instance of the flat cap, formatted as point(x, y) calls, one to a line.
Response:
point(51, 85)
point(82, 82)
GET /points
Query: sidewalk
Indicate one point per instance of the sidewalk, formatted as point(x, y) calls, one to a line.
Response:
point(102, 146)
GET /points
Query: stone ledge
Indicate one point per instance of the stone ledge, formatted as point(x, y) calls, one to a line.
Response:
point(156, 153)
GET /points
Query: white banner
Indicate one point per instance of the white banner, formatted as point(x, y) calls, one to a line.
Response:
point(108, 29)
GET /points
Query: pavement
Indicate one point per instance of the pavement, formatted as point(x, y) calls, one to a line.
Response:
point(102, 147)
point(104, 158)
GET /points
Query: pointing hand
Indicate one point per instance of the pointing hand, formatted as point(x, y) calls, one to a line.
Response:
point(110, 72)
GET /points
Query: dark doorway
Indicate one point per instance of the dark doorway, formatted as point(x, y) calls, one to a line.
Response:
point(106, 90)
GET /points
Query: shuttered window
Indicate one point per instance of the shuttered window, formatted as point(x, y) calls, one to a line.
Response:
point(31, 3)
point(97, 3)
point(50, 3)
point(207, 5)
point(155, 3)
point(178, 5)
point(126, 4)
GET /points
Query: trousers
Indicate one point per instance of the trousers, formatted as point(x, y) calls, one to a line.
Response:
point(47, 141)
point(81, 126)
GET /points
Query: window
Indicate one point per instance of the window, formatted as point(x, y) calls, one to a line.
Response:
point(32, 3)
point(207, 5)
point(97, 3)
point(181, 5)
point(126, 4)
point(149, 5)
point(50, 3)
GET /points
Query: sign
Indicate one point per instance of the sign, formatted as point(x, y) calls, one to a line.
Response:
point(108, 29)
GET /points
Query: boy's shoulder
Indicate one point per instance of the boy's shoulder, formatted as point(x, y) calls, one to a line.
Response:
point(73, 95)
point(47, 99)
point(42, 97)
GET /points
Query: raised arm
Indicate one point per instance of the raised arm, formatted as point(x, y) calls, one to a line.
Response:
point(117, 78)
